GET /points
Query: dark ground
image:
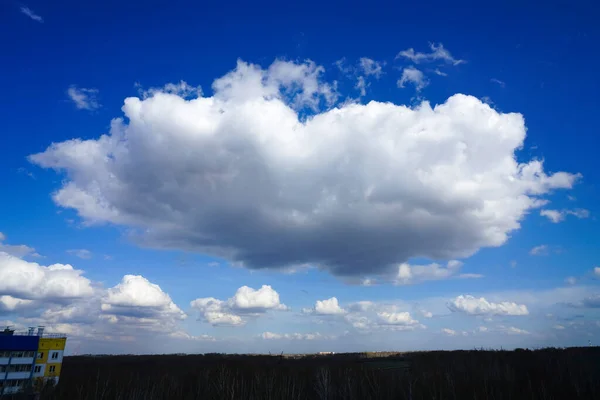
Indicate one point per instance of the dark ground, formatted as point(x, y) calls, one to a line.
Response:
point(561, 374)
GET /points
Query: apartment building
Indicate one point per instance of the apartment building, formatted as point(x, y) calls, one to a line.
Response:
point(49, 357)
point(29, 359)
point(17, 358)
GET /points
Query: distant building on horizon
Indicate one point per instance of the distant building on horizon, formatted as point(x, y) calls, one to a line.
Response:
point(29, 359)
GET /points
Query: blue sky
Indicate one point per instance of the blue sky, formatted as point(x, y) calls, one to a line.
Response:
point(406, 174)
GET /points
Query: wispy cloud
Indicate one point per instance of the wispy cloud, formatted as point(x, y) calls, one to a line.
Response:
point(361, 85)
point(540, 250)
point(371, 67)
point(84, 99)
point(19, 250)
point(498, 81)
point(553, 215)
point(557, 216)
point(29, 12)
point(438, 53)
point(181, 89)
point(449, 332)
point(440, 73)
point(24, 171)
point(414, 76)
point(81, 253)
point(361, 71)
point(487, 100)
point(571, 280)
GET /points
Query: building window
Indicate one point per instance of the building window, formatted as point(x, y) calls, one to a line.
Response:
point(4, 353)
point(37, 369)
point(54, 355)
point(52, 368)
point(41, 355)
point(17, 354)
point(19, 368)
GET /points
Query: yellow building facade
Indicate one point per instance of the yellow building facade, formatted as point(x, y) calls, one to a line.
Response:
point(49, 358)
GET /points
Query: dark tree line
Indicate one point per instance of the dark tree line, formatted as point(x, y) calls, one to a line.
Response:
point(560, 374)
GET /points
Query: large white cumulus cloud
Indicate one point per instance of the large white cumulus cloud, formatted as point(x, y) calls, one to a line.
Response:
point(480, 306)
point(246, 302)
point(20, 279)
point(138, 297)
point(356, 189)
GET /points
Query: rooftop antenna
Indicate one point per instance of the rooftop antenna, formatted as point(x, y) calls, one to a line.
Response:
point(40, 331)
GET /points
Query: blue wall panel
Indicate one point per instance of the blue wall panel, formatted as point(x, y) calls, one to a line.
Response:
point(19, 342)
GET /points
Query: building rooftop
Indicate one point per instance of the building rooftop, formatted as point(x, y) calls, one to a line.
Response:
point(31, 332)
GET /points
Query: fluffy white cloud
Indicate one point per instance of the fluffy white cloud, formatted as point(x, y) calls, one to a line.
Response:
point(81, 312)
point(414, 76)
point(557, 216)
point(326, 307)
point(11, 304)
point(265, 298)
point(59, 297)
point(388, 182)
point(396, 318)
point(136, 296)
point(368, 316)
point(408, 274)
point(31, 281)
point(246, 302)
point(480, 306)
point(84, 99)
point(438, 53)
point(214, 311)
point(135, 308)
